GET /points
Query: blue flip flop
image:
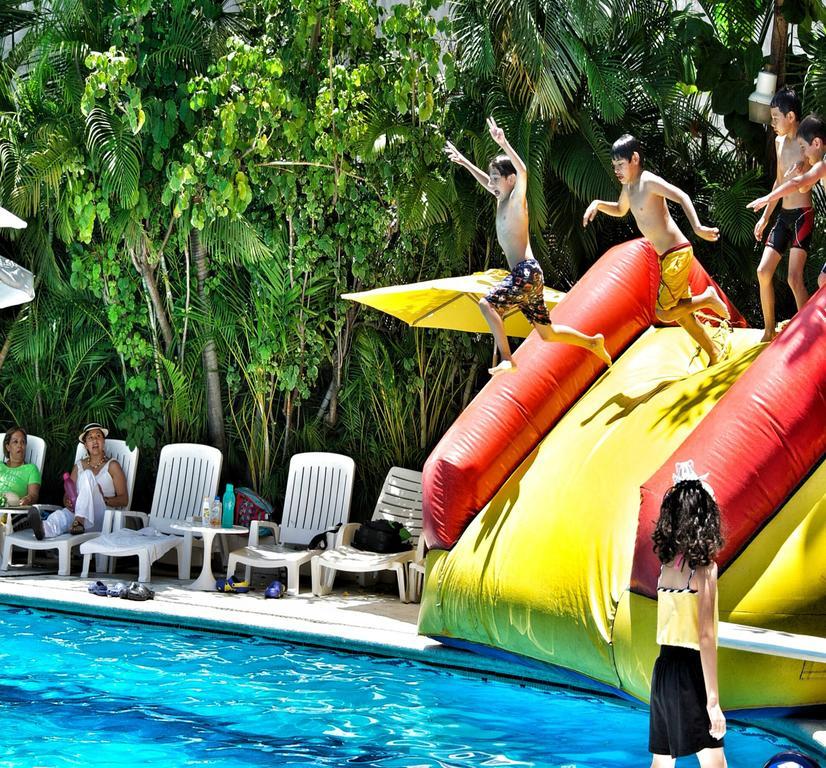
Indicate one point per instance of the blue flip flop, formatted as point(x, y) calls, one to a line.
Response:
point(275, 590)
point(231, 585)
point(99, 589)
point(118, 590)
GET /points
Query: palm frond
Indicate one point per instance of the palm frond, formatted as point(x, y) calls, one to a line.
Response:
point(118, 153)
point(235, 240)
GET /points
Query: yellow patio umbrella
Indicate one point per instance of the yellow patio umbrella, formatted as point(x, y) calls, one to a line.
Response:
point(449, 302)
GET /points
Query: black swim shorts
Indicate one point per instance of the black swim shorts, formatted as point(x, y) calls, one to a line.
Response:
point(793, 229)
point(679, 720)
point(522, 289)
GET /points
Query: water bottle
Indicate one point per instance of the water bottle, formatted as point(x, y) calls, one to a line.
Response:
point(216, 513)
point(206, 513)
point(228, 515)
point(69, 488)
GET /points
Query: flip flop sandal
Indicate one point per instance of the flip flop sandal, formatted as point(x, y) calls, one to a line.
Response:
point(275, 590)
point(99, 589)
point(232, 586)
point(240, 587)
point(77, 528)
point(136, 591)
point(117, 590)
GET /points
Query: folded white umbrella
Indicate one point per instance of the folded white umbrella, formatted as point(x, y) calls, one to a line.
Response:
point(9, 220)
point(16, 282)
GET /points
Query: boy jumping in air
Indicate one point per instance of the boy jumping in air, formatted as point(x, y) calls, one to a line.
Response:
point(811, 138)
point(644, 194)
point(507, 181)
point(794, 226)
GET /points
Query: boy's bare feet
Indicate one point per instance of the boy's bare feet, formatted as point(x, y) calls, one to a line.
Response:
point(767, 336)
point(715, 303)
point(600, 351)
point(506, 366)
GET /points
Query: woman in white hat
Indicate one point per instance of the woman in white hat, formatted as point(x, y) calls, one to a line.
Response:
point(100, 483)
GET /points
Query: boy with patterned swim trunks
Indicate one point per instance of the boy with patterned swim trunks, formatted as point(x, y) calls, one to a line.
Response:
point(644, 194)
point(507, 181)
point(794, 226)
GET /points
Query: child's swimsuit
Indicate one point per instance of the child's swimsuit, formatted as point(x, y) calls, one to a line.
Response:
point(675, 267)
point(793, 229)
point(522, 288)
point(679, 720)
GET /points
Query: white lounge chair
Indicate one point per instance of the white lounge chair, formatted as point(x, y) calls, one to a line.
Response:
point(128, 459)
point(319, 490)
point(186, 473)
point(400, 501)
point(415, 574)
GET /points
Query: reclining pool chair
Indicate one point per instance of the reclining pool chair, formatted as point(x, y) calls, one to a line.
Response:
point(400, 501)
point(128, 459)
point(319, 490)
point(186, 473)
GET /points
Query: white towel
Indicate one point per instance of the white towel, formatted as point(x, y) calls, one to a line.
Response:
point(126, 539)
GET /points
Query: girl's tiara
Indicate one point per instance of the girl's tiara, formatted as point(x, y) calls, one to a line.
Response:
point(684, 470)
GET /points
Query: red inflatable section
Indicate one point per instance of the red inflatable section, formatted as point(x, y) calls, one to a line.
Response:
point(513, 412)
point(761, 440)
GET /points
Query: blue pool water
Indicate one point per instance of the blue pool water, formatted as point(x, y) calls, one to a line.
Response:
point(98, 694)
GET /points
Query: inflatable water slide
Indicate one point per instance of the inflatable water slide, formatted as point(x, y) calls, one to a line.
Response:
point(541, 499)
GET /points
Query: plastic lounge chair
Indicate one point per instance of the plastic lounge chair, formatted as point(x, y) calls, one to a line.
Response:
point(186, 473)
point(128, 459)
point(319, 490)
point(415, 574)
point(400, 501)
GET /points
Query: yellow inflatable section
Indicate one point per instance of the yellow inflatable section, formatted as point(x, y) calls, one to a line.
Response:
point(543, 570)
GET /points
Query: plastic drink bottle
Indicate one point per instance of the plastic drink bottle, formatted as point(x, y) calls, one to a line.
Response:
point(228, 515)
point(69, 488)
point(206, 512)
point(216, 513)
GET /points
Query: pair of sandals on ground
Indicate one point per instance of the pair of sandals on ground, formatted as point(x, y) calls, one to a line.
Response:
point(231, 585)
point(132, 591)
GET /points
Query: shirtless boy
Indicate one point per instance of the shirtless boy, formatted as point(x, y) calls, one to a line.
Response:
point(795, 224)
point(644, 194)
point(811, 138)
point(507, 181)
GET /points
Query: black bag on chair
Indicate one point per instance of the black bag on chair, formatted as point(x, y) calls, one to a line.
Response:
point(383, 536)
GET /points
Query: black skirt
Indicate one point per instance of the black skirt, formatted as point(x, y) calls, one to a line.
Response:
point(679, 721)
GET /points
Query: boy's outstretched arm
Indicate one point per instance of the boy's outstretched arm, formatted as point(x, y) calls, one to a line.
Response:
point(618, 209)
point(457, 157)
point(670, 192)
point(764, 219)
point(802, 182)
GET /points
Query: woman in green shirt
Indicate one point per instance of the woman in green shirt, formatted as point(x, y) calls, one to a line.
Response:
point(15, 475)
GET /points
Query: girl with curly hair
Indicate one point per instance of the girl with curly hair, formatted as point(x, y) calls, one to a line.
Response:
point(685, 709)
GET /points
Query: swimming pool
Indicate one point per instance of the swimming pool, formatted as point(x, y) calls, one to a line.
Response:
point(91, 692)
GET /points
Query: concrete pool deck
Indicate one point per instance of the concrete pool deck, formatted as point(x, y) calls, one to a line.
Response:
point(351, 618)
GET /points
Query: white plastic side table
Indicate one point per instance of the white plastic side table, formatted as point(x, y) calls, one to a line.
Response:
point(206, 580)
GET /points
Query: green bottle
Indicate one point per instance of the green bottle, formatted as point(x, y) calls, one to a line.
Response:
point(228, 515)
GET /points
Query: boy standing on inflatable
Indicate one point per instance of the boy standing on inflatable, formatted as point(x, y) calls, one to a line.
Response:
point(795, 224)
point(507, 181)
point(811, 137)
point(644, 194)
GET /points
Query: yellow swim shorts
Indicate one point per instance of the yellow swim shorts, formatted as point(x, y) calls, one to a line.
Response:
point(675, 265)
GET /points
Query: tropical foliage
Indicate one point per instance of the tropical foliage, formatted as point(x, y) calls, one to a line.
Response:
point(204, 180)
